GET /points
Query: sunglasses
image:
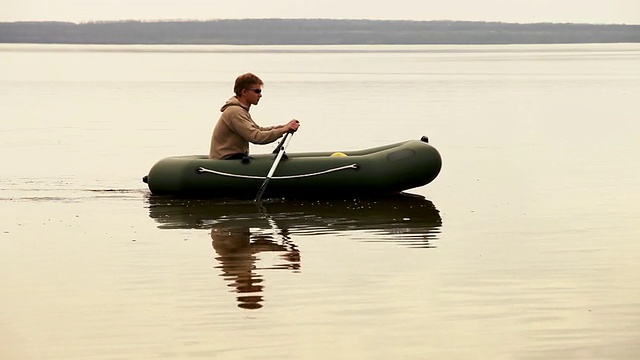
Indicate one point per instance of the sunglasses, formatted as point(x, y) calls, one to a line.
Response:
point(257, 91)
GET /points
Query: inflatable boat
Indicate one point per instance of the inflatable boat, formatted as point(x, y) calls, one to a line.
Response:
point(372, 172)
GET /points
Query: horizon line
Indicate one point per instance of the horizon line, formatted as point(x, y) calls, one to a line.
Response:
point(311, 19)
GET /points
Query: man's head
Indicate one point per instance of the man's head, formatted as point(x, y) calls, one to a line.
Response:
point(248, 89)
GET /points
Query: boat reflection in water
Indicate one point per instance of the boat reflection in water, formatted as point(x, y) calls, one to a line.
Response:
point(243, 234)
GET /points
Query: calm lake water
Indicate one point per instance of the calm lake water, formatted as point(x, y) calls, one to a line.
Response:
point(525, 247)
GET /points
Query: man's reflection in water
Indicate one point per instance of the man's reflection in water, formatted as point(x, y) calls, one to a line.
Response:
point(237, 248)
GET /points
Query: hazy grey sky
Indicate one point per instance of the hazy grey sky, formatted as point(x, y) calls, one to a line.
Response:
point(523, 11)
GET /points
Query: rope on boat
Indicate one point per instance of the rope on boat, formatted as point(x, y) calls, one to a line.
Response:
point(345, 167)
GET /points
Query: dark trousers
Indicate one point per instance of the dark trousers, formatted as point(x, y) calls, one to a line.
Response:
point(240, 156)
point(237, 156)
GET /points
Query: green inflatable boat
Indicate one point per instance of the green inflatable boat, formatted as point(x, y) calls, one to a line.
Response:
point(372, 172)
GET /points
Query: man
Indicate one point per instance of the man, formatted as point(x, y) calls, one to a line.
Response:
point(235, 128)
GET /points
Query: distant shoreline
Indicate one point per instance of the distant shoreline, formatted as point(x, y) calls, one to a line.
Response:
point(312, 32)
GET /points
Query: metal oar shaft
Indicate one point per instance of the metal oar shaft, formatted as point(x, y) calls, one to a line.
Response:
point(283, 144)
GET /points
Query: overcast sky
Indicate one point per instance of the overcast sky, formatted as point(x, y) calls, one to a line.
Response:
point(520, 11)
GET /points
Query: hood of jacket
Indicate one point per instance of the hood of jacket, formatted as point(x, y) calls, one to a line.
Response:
point(233, 101)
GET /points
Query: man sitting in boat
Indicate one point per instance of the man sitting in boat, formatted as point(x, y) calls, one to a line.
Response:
point(235, 128)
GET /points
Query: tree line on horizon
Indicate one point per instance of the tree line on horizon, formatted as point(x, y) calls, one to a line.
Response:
point(312, 32)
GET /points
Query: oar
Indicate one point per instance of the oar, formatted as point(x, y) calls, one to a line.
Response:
point(280, 150)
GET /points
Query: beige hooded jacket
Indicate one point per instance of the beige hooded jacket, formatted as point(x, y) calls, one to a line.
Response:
point(235, 130)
